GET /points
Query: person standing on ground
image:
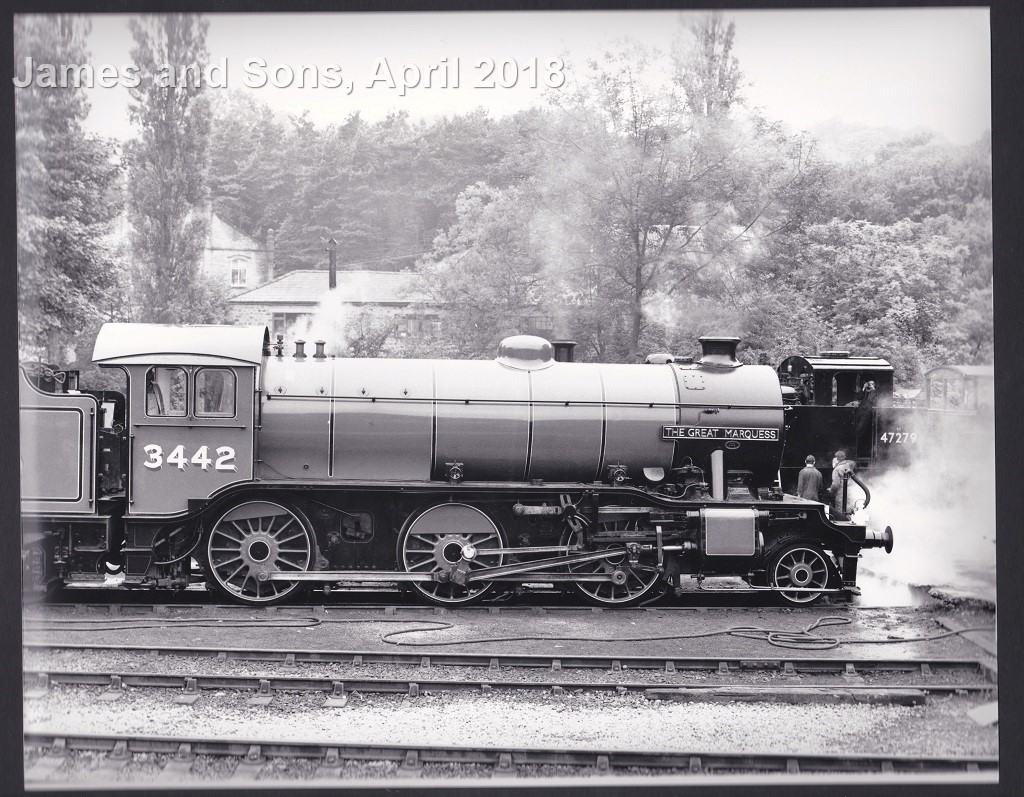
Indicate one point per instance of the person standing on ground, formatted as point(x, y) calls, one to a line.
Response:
point(809, 484)
point(840, 466)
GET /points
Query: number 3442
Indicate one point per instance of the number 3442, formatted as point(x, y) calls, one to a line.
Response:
point(225, 458)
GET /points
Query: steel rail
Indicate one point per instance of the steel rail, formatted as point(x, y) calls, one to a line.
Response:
point(504, 759)
point(42, 678)
point(494, 661)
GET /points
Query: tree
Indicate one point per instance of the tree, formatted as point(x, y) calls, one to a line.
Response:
point(167, 171)
point(68, 195)
point(251, 177)
point(658, 194)
point(484, 272)
point(707, 70)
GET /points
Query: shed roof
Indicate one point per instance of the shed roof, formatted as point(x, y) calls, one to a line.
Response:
point(164, 343)
point(358, 287)
point(979, 371)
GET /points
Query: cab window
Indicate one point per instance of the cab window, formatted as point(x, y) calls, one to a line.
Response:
point(215, 393)
point(166, 391)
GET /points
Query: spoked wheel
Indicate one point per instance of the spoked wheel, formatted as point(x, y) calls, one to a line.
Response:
point(632, 585)
point(435, 540)
point(253, 538)
point(802, 565)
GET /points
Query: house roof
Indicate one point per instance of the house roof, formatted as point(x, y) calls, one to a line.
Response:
point(357, 287)
point(222, 235)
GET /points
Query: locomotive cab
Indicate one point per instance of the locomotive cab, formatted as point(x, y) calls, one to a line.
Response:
point(191, 414)
point(822, 413)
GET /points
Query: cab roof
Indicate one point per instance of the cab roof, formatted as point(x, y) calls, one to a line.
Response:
point(178, 344)
point(846, 363)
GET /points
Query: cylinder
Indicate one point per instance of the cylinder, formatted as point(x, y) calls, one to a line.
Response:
point(718, 474)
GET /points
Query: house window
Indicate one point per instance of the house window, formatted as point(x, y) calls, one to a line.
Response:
point(543, 325)
point(238, 276)
point(282, 322)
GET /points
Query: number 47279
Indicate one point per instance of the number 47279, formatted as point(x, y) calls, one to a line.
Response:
point(898, 437)
point(225, 458)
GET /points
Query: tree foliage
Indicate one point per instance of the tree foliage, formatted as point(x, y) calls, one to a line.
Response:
point(167, 166)
point(484, 272)
point(68, 194)
point(645, 205)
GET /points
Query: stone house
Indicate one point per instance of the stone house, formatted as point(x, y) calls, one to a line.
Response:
point(296, 298)
point(235, 260)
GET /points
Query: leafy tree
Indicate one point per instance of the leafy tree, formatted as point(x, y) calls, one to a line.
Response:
point(664, 198)
point(708, 71)
point(484, 272)
point(68, 194)
point(167, 171)
point(251, 180)
point(884, 289)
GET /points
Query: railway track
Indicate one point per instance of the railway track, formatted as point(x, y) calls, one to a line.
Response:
point(180, 752)
point(337, 690)
point(722, 665)
point(537, 602)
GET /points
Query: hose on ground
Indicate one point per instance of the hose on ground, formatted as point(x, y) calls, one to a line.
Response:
point(798, 639)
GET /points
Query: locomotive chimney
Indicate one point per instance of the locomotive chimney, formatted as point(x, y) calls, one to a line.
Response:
point(719, 352)
point(319, 355)
point(563, 350)
point(332, 264)
point(300, 353)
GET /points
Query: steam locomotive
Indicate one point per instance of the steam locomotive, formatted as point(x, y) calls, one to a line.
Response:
point(273, 471)
point(835, 401)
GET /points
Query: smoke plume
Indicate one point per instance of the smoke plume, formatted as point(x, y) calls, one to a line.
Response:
point(941, 508)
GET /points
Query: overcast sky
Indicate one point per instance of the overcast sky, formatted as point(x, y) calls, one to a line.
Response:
point(899, 68)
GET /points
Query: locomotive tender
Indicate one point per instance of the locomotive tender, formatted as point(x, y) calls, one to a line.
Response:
point(275, 470)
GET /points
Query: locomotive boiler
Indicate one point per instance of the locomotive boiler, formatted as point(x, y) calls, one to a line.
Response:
point(272, 470)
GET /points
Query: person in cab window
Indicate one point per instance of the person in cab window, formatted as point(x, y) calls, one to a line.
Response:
point(154, 396)
point(808, 485)
point(213, 392)
point(865, 410)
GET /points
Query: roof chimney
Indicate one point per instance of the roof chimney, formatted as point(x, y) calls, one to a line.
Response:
point(270, 255)
point(719, 352)
point(332, 264)
point(563, 350)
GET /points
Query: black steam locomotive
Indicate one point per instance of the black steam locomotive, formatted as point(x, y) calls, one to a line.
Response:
point(276, 470)
point(838, 402)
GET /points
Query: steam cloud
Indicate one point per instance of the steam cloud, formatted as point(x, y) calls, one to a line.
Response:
point(327, 323)
point(941, 509)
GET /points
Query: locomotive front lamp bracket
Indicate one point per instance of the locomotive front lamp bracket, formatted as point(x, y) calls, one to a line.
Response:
point(617, 474)
point(455, 472)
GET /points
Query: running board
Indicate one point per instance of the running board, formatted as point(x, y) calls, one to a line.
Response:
point(752, 588)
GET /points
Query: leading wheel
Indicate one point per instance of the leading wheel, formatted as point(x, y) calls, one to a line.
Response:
point(254, 538)
point(803, 565)
point(628, 585)
point(434, 542)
